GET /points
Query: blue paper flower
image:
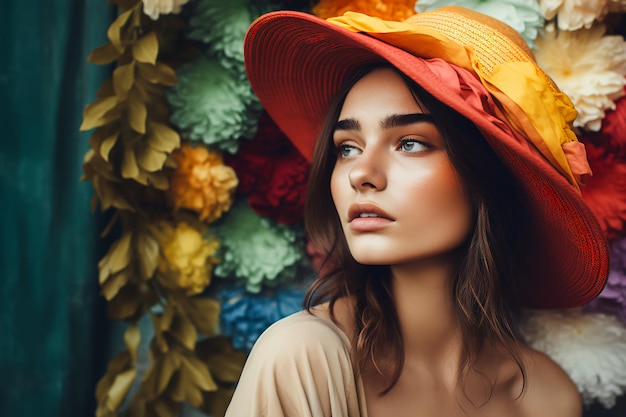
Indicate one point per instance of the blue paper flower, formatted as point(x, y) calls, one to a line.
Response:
point(245, 316)
point(222, 25)
point(213, 105)
point(258, 250)
point(522, 15)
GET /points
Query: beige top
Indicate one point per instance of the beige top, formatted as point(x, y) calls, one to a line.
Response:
point(300, 367)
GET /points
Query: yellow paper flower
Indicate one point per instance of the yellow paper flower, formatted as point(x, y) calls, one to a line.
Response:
point(187, 258)
point(390, 9)
point(202, 182)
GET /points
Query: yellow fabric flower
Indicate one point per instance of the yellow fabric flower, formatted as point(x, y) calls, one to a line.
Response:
point(187, 258)
point(390, 9)
point(202, 182)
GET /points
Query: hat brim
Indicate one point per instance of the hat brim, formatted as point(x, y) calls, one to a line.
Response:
point(297, 63)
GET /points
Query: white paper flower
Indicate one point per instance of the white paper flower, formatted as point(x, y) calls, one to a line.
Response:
point(588, 66)
point(154, 8)
point(591, 349)
point(522, 15)
point(576, 14)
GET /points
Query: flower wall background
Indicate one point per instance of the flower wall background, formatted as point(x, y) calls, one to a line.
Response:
point(206, 194)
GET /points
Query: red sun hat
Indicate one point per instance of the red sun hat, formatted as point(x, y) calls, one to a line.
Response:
point(481, 68)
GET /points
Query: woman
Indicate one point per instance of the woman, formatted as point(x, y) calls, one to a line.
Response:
point(444, 190)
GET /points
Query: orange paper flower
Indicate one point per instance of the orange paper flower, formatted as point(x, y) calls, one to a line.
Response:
point(202, 182)
point(390, 9)
point(187, 258)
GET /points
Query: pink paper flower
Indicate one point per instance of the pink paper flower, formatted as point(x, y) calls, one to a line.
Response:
point(612, 299)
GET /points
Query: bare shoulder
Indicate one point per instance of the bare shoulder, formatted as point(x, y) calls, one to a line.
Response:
point(549, 390)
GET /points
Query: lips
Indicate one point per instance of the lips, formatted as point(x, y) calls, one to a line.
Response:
point(367, 210)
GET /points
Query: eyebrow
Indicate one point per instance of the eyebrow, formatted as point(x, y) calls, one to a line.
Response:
point(348, 124)
point(398, 120)
point(394, 120)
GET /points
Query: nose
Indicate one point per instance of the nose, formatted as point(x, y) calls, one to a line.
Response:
point(368, 172)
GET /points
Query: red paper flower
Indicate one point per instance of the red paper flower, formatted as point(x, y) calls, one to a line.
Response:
point(605, 191)
point(612, 136)
point(272, 173)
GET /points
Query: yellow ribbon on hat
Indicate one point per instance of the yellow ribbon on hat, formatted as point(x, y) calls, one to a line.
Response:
point(530, 101)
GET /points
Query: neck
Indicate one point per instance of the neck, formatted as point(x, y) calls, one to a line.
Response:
point(426, 312)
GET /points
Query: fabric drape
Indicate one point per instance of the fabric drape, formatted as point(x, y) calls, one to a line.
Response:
point(51, 314)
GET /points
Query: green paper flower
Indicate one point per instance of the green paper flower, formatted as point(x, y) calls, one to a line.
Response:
point(213, 105)
point(258, 250)
point(222, 25)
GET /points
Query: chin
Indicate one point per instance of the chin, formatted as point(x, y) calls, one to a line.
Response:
point(375, 256)
point(378, 257)
point(369, 260)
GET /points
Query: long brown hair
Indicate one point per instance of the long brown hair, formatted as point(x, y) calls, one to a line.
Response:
point(486, 271)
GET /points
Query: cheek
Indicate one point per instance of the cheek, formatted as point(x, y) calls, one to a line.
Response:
point(450, 190)
point(455, 204)
point(442, 201)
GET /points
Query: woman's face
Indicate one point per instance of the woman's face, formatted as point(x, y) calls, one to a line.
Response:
point(398, 197)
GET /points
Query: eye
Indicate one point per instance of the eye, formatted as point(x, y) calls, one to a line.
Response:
point(412, 145)
point(345, 151)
